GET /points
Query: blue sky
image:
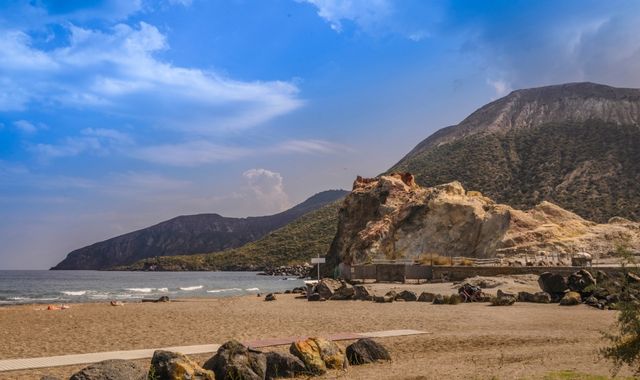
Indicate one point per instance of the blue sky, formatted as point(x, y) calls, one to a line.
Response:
point(115, 115)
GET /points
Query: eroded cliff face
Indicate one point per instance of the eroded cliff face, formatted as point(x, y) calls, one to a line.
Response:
point(391, 217)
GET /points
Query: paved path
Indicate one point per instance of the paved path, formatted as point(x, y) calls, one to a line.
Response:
point(55, 361)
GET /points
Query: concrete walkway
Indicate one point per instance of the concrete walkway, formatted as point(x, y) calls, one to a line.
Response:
point(64, 360)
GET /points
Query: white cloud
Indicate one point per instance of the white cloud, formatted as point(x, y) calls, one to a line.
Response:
point(116, 72)
point(308, 147)
point(501, 87)
point(97, 141)
point(365, 13)
point(25, 126)
point(267, 187)
point(191, 153)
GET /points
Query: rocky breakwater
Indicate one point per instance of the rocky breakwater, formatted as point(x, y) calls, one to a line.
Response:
point(391, 217)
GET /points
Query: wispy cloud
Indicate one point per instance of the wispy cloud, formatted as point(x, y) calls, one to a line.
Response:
point(308, 147)
point(365, 13)
point(115, 71)
point(96, 141)
point(191, 153)
point(501, 87)
point(25, 126)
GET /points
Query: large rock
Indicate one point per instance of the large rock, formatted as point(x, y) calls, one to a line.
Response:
point(236, 361)
point(552, 283)
point(426, 297)
point(539, 297)
point(345, 292)
point(112, 370)
point(407, 295)
point(365, 351)
point(391, 217)
point(362, 293)
point(570, 299)
point(283, 365)
point(167, 365)
point(581, 282)
point(326, 287)
point(319, 354)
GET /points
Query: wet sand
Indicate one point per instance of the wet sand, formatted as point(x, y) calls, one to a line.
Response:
point(467, 341)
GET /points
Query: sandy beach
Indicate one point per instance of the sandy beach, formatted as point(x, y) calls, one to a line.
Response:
point(471, 341)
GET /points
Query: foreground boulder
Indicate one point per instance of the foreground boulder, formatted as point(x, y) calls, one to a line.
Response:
point(167, 365)
point(315, 297)
point(236, 361)
point(366, 351)
point(112, 370)
point(319, 354)
point(270, 297)
point(407, 295)
point(570, 299)
point(283, 365)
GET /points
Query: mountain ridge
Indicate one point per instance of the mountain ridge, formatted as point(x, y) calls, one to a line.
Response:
point(188, 234)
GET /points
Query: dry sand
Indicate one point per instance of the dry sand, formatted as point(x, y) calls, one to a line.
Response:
point(467, 341)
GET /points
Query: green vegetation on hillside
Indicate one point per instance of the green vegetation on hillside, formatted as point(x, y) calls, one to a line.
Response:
point(592, 168)
point(306, 237)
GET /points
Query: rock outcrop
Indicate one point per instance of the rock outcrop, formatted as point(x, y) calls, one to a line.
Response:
point(167, 365)
point(319, 354)
point(365, 351)
point(236, 361)
point(112, 370)
point(391, 217)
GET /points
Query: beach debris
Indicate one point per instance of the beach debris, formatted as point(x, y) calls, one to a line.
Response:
point(283, 365)
point(538, 297)
point(365, 351)
point(116, 303)
point(115, 369)
point(161, 299)
point(167, 365)
point(319, 354)
point(315, 297)
point(270, 297)
point(552, 283)
point(56, 307)
point(426, 297)
point(236, 361)
point(406, 295)
point(570, 299)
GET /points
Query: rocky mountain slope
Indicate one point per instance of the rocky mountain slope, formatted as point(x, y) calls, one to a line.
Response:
point(392, 217)
point(576, 145)
point(188, 234)
point(297, 242)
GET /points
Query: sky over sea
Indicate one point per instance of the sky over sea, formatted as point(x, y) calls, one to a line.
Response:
point(115, 115)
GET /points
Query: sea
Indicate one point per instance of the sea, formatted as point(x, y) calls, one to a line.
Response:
point(61, 287)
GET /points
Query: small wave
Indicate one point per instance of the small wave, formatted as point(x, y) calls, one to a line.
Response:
point(252, 289)
point(75, 293)
point(99, 296)
point(140, 290)
point(164, 290)
point(224, 290)
point(190, 288)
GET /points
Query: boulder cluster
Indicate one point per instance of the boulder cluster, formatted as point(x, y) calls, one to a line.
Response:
point(300, 271)
point(235, 361)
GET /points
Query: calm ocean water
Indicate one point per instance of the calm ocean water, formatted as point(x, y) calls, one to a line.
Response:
point(19, 287)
